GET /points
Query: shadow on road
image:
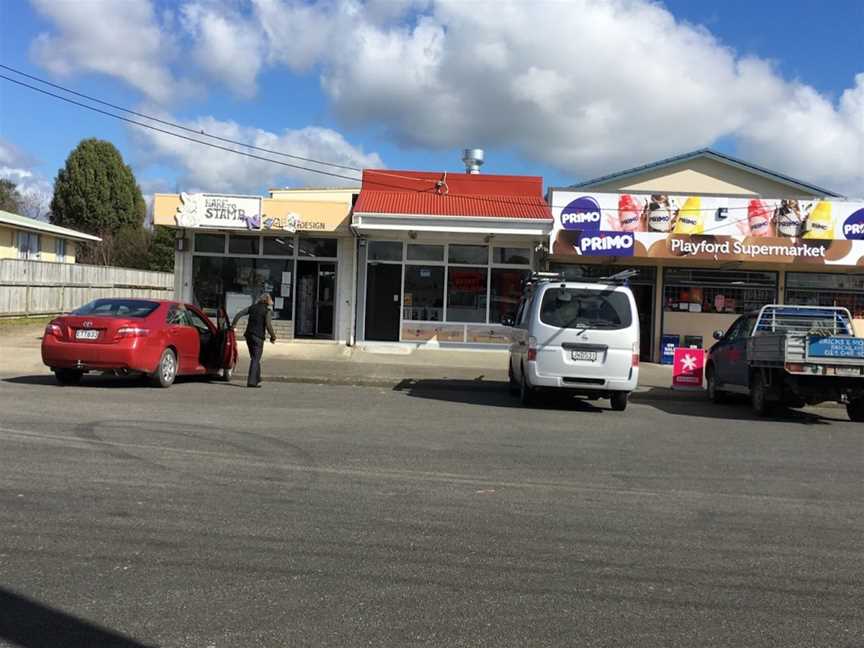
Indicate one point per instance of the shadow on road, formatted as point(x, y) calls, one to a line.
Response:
point(492, 393)
point(99, 381)
point(28, 623)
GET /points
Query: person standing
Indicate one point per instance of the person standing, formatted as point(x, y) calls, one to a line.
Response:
point(258, 324)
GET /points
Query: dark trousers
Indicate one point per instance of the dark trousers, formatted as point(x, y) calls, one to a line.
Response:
point(256, 349)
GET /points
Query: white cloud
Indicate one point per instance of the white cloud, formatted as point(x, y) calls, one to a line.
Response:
point(227, 46)
point(35, 189)
point(119, 39)
point(207, 169)
point(585, 86)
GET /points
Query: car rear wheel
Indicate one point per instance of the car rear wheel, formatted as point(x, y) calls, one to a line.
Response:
point(618, 400)
point(512, 385)
point(68, 377)
point(166, 370)
point(855, 410)
point(714, 394)
point(759, 395)
point(527, 394)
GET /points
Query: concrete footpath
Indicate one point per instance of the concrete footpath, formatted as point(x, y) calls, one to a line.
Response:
point(374, 365)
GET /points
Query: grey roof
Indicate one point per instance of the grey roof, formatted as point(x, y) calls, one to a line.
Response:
point(721, 157)
point(22, 222)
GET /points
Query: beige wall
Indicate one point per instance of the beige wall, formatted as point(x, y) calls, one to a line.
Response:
point(703, 176)
point(703, 324)
point(8, 250)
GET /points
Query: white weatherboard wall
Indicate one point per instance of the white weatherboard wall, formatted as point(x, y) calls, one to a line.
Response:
point(48, 288)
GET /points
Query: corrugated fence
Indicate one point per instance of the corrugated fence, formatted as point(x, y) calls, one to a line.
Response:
point(43, 288)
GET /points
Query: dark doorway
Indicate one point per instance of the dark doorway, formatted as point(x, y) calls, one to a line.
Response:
point(644, 296)
point(316, 288)
point(383, 301)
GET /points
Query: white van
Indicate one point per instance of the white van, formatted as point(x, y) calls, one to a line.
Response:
point(580, 338)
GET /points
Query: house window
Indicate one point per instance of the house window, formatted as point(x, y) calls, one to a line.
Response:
point(28, 245)
point(60, 249)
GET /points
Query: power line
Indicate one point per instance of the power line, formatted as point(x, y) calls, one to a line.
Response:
point(173, 124)
point(179, 135)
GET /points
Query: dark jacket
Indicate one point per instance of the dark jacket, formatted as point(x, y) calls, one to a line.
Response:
point(259, 322)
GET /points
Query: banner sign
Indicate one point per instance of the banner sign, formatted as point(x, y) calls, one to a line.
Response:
point(835, 347)
point(219, 211)
point(708, 227)
point(688, 368)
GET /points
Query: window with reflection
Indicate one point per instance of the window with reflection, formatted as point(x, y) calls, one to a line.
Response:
point(466, 294)
point(424, 293)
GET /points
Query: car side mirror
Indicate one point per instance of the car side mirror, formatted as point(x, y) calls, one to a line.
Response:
point(508, 320)
point(718, 334)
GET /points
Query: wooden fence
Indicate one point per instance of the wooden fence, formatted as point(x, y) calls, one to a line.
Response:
point(32, 288)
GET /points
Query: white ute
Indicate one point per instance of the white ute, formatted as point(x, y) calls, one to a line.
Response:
point(578, 338)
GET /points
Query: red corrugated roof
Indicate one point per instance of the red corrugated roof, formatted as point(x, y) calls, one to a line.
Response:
point(418, 193)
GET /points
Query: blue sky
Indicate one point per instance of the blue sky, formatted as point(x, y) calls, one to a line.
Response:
point(566, 90)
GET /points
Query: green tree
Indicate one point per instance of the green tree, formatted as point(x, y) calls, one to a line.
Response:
point(10, 198)
point(96, 192)
point(161, 255)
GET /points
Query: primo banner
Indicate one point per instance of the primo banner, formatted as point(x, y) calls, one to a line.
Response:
point(708, 227)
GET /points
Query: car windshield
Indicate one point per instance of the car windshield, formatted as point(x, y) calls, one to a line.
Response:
point(585, 308)
point(117, 308)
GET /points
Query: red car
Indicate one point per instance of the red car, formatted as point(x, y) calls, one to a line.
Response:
point(156, 338)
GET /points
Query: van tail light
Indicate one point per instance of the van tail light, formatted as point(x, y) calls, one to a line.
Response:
point(532, 349)
point(635, 360)
point(54, 329)
point(131, 332)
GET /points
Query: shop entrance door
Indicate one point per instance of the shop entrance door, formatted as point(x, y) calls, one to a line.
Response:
point(644, 296)
point(316, 288)
point(383, 301)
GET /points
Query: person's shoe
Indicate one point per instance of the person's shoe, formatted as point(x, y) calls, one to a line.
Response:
point(257, 386)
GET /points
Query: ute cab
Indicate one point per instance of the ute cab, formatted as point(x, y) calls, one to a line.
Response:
point(575, 338)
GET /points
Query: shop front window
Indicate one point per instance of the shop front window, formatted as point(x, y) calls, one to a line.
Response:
point(511, 256)
point(473, 254)
point(506, 291)
point(826, 289)
point(384, 251)
point(278, 246)
point(425, 252)
point(316, 247)
point(423, 297)
point(233, 283)
point(243, 244)
point(210, 243)
point(466, 293)
point(717, 291)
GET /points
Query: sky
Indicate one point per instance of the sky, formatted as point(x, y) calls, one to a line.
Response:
point(568, 90)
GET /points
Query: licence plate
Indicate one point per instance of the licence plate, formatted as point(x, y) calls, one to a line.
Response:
point(847, 371)
point(86, 335)
point(588, 356)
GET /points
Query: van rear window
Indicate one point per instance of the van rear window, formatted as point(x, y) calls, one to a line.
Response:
point(585, 309)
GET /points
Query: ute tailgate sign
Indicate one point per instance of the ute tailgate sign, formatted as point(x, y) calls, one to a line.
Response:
point(835, 347)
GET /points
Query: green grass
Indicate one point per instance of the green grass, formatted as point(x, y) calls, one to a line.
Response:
point(12, 324)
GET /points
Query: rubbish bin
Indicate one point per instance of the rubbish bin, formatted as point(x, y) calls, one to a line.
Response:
point(667, 348)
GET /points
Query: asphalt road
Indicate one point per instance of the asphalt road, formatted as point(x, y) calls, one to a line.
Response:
point(210, 515)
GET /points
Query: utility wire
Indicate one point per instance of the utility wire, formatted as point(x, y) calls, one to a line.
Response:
point(185, 137)
point(173, 124)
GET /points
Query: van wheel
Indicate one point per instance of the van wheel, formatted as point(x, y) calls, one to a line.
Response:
point(512, 385)
point(166, 370)
point(759, 396)
point(68, 377)
point(618, 400)
point(855, 410)
point(527, 394)
point(714, 394)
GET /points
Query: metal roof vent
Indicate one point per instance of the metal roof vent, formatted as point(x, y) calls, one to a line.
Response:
point(473, 159)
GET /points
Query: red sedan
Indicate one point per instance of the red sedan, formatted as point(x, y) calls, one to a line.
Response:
point(160, 339)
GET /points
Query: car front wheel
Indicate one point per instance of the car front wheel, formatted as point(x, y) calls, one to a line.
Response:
point(855, 410)
point(714, 395)
point(166, 370)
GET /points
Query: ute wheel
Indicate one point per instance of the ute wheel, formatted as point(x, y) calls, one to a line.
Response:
point(618, 400)
point(68, 377)
point(855, 410)
point(714, 394)
point(527, 394)
point(166, 370)
point(759, 396)
point(512, 385)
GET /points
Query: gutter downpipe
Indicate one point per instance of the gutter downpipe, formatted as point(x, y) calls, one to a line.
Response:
point(352, 333)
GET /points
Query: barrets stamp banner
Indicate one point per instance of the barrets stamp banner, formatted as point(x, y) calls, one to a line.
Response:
point(708, 227)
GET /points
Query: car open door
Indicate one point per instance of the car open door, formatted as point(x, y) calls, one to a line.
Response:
point(229, 343)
